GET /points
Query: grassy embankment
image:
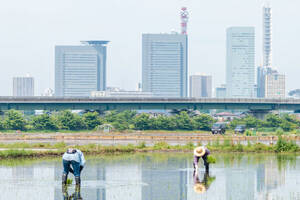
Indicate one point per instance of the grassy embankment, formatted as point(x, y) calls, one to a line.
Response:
point(20, 150)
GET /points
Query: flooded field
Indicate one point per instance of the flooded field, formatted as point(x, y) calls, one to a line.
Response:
point(156, 176)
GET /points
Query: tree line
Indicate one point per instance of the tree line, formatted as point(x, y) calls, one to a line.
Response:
point(131, 120)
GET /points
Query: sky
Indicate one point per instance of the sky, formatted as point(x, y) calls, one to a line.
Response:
point(30, 30)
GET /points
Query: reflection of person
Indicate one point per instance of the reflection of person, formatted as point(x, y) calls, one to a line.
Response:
point(75, 158)
point(75, 196)
point(202, 186)
point(201, 152)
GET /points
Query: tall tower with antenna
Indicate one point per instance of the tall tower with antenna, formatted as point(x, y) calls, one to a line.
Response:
point(267, 35)
point(184, 14)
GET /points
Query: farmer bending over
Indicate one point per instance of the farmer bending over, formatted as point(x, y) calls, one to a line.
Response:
point(75, 158)
point(198, 153)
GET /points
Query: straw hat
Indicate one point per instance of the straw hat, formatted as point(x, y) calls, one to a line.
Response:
point(199, 188)
point(199, 151)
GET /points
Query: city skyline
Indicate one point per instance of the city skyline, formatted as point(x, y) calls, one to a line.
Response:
point(204, 44)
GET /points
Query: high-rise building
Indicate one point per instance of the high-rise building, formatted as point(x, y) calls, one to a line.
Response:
point(200, 86)
point(267, 35)
point(261, 75)
point(221, 91)
point(270, 84)
point(23, 86)
point(274, 85)
point(164, 66)
point(80, 69)
point(240, 60)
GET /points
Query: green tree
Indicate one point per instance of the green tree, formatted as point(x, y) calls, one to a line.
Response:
point(287, 126)
point(252, 122)
point(44, 122)
point(203, 122)
point(273, 120)
point(1, 125)
point(92, 120)
point(184, 122)
point(14, 120)
point(142, 122)
point(70, 121)
point(164, 123)
point(121, 121)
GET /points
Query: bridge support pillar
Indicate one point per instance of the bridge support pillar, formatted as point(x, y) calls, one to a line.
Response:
point(259, 114)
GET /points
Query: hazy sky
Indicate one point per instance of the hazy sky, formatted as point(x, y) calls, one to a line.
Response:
point(30, 29)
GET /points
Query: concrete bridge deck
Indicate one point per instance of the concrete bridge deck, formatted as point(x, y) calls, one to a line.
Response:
point(105, 103)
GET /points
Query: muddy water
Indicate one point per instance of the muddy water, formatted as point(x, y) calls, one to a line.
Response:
point(156, 176)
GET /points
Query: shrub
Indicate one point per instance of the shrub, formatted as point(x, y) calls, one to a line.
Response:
point(70, 121)
point(283, 145)
point(44, 122)
point(14, 120)
point(141, 145)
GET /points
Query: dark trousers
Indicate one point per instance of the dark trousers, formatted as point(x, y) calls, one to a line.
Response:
point(76, 167)
point(206, 164)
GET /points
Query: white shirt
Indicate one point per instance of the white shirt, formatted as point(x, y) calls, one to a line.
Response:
point(78, 157)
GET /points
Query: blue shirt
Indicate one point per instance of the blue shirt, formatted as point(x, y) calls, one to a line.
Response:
point(77, 156)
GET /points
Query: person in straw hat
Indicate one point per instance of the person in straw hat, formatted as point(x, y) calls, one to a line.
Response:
point(201, 152)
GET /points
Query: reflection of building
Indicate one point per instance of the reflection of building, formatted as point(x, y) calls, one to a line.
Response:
point(80, 69)
point(240, 184)
point(167, 182)
point(23, 86)
point(200, 86)
point(164, 70)
point(32, 182)
point(128, 179)
point(240, 62)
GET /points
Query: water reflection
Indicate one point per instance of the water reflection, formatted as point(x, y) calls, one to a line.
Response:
point(154, 177)
point(202, 186)
point(75, 196)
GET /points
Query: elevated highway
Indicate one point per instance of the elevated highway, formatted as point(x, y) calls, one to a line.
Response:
point(104, 103)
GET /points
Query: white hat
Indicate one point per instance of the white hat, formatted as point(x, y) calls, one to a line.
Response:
point(199, 151)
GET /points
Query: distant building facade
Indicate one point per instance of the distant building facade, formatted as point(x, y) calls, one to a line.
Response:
point(221, 91)
point(270, 83)
point(261, 75)
point(164, 64)
point(80, 69)
point(275, 85)
point(200, 86)
point(48, 92)
point(122, 94)
point(23, 86)
point(240, 62)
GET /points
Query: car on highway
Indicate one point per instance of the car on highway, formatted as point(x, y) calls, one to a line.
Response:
point(240, 129)
point(218, 128)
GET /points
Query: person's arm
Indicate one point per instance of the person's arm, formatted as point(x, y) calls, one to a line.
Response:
point(82, 160)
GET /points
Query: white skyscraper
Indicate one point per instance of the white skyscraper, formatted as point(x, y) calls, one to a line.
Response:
point(270, 83)
point(200, 86)
point(23, 86)
point(240, 62)
point(80, 69)
point(267, 35)
point(164, 67)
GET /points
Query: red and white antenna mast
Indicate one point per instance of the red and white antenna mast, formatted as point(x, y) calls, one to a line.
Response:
point(184, 14)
